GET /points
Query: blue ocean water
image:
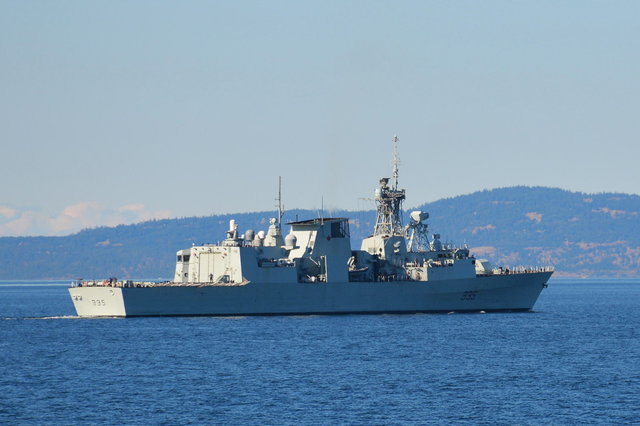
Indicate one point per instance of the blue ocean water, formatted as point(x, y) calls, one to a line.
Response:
point(575, 359)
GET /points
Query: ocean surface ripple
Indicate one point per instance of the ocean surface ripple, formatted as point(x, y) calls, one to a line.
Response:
point(573, 360)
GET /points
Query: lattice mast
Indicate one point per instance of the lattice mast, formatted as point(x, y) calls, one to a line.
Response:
point(389, 201)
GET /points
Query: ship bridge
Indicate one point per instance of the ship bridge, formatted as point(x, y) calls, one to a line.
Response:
point(338, 226)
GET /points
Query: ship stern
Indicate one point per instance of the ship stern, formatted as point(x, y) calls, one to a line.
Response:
point(98, 301)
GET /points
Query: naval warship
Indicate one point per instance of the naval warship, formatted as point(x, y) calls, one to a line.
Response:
point(314, 270)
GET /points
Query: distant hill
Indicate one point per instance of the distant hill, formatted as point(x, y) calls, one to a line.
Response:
point(580, 234)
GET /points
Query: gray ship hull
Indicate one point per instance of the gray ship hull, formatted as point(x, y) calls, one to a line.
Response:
point(517, 292)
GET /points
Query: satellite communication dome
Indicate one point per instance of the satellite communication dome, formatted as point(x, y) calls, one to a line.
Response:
point(290, 240)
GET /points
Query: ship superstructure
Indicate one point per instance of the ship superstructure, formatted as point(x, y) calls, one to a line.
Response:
point(315, 270)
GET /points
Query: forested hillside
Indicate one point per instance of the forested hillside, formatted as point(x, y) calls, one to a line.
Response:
point(580, 234)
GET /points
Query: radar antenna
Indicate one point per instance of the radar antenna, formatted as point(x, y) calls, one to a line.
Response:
point(417, 231)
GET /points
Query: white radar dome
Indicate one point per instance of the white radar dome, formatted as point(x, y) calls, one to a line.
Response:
point(290, 240)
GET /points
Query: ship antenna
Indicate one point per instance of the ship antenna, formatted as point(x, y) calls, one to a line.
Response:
point(396, 161)
point(279, 200)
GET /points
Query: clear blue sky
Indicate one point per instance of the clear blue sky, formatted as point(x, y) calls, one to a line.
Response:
point(116, 111)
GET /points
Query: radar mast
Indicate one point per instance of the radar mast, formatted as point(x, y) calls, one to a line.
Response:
point(389, 201)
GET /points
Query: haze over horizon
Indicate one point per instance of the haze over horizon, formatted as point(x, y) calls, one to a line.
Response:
point(121, 112)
